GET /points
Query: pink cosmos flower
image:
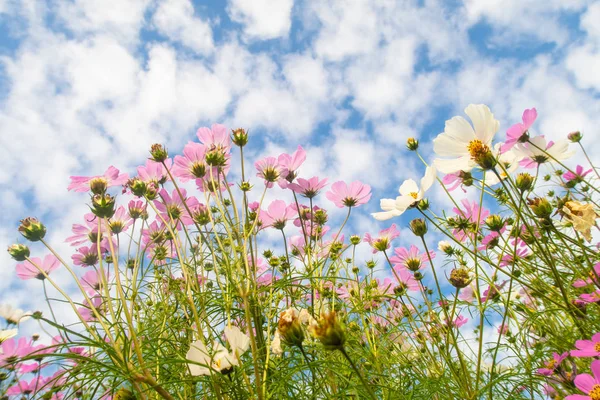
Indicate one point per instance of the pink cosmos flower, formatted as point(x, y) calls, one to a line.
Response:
point(26, 270)
point(308, 188)
point(111, 177)
point(120, 221)
point(472, 213)
point(172, 206)
point(503, 329)
point(12, 350)
point(353, 195)
point(192, 164)
point(578, 175)
point(384, 240)
point(509, 259)
point(551, 366)
point(454, 180)
point(406, 280)
point(585, 282)
point(593, 297)
point(215, 138)
point(212, 183)
point(515, 132)
point(467, 294)
point(86, 233)
point(26, 388)
point(270, 170)
point(492, 291)
point(92, 282)
point(153, 234)
point(277, 214)
point(291, 163)
point(459, 321)
point(136, 208)
point(587, 348)
point(154, 172)
point(411, 259)
point(87, 256)
point(86, 311)
point(588, 384)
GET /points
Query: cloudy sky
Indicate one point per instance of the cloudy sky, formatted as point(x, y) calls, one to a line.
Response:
point(89, 83)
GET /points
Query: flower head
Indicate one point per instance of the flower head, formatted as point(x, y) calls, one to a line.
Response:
point(410, 258)
point(192, 164)
point(99, 183)
point(308, 188)
point(353, 195)
point(277, 214)
point(291, 163)
point(587, 348)
point(270, 170)
point(539, 151)
point(517, 132)
point(590, 385)
point(27, 270)
point(467, 145)
point(383, 241)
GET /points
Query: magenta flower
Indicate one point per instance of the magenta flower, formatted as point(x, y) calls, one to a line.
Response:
point(215, 138)
point(508, 259)
point(192, 164)
point(576, 176)
point(277, 214)
point(411, 259)
point(291, 163)
point(456, 179)
point(587, 348)
point(459, 321)
point(551, 366)
point(492, 291)
point(26, 388)
point(308, 188)
point(270, 170)
point(353, 195)
point(172, 206)
point(516, 132)
point(592, 277)
point(26, 270)
point(87, 256)
point(406, 280)
point(384, 240)
point(588, 384)
point(593, 297)
point(110, 178)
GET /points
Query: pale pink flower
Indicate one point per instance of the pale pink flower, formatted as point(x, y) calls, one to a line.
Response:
point(26, 270)
point(120, 221)
point(406, 280)
point(192, 164)
point(291, 163)
point(270, 170)
point(472, 213)
point(86, 311)
point(25, 388)
point(456, 179)
point(411, 259)
point(111, 176)
point(87, 256)
point(384, 240)
point(538, 151)
point(277, 214)
point(308, 188)
point(86, 233)
point(154, 172)
point(92, 282)
point(12, 350)
point(215, 138)
point(137, 209)
point(172, 206)
point(154, 234)
point(516, 132)
point(353, 195)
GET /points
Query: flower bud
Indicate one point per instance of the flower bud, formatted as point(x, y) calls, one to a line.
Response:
point(32, 229)
point(495, 223)
point(412, 144)
point(103, 206)
point(329, 331)
point(460, 277)
point(245, 186)
point(540, 207)
point(290, 329)
point(575, 136)
point(355, 239)
point(418, 226)
point(98, 185)
point(524, 181)
point(159, 153)
point(124, 394)
point(137, 187)
point(446, 247)
point(423, 205)
point(240, 137)
point(19, 252)
point(371, 264)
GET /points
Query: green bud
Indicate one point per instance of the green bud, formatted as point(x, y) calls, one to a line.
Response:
point(460, 277)
point(412, 144)
point(19, 252)
point(540, 207)
point(524, 182)
point(575, 136)
point(239, 137)
point(32, 229)
point(418, 226)
point(329, 331)
point(245, 186)
point(355, 239)
point(159, 153)
point(103, 206)
point(494, 223)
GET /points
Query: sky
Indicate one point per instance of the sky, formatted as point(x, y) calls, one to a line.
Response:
point(85, 84)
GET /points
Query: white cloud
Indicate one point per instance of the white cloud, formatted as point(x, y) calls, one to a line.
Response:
point(584, 60)
point(262, 19)
point(175, 19)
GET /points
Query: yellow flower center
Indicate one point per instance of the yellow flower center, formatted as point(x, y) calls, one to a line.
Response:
point(597, 347)
point(477, 149)
point(595, 392)
point(551, 364)
point(413, 195)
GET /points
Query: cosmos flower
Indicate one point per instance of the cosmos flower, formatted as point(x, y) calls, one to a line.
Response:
point(383, 241)
point(110, 178)
point(218, 358)
point(590, 385)
point(464, 145)
point(26, 270)
point(13, 316)
point(277, 214)
point(515, 133)
point(410, 194)
point(539, 151)
point(192, 164)
point(308, 188)
point(353, 195)
point(291, 163)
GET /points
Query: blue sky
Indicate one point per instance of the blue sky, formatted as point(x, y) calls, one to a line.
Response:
point(90, 83)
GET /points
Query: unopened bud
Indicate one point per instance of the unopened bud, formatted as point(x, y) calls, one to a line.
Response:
point(355, 240)
point(575, 136)
point(240, 137)
point(524, 181)
point(32, 229)
point(412, 144)
point(460, 277)
point(495, 223)
point(19, 252)
point(541, 207)
point(159, 153)
point(103, 206)
point(290, 329)
point(418, 226)
point(329, 331)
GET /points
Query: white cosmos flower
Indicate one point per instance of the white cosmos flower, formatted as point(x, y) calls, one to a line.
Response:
point(539, 151)
point(13, 315)
point(410, 193)
point(217, 358)
point(463, 143)
point(6, 334)
point(276, 348)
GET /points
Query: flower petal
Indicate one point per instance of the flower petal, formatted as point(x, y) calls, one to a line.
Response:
point(484, 122)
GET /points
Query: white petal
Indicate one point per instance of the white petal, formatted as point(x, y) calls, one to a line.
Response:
point(459, 129)
point(385, 215)
point(454, 165)
point(387, 204)
point(447, 146)
point(403, 202)
point(408, 186)
point(484, 122)
point(428, 179)
point(238, 341)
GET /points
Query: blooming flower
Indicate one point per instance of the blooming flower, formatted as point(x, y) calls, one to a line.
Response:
point(588, 384)
point(13, 316)
point(406, 280)
point(468, 219)
point(582, 216)
point(87, 256)
point(172, 206)
point(6, 334)
point(410, 195)
point(538, 151)
point(215, 138)
point(110, 178)
point(192, 164)
point(515, 133)
point(578, 175)
point(551, 366)
point(411, 259)
point(587, 348)
point(154, 172)
point(383, 241)
point(291, 163)
point(221, 359)
point(120, 221)
point(353, 195)
point(465, 144)
point(277, 214)
point(27, 270)
point(308, 188)
point(86, 233)
point(270, 170)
